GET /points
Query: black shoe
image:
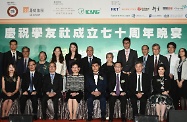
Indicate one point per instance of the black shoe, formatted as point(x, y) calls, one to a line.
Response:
point(35, 117)
point(89, 119)
point(123, 120)
point(110, 120)
point(55, 118)
point(103, 119)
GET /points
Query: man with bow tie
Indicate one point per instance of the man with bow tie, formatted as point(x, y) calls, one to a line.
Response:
point(118, 90)
point(96, 86)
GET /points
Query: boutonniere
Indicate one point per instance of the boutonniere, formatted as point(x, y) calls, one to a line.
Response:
point(161, 62)
point(101, 78)
point(75, 59)
point(122, 81)
point(19, 57)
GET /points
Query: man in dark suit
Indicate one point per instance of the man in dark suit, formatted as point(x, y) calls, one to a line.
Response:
point(31, 88)
point(154, 60)
point(127, 57)
point(22, 65)
point(52, 88)
point(118, 90)
point(86, 65)
point(96, 86)
point(139, 88)
point(86, 62)
point(143, 59)
point(12, 56)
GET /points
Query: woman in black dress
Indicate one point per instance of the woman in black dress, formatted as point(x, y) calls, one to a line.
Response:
point(72, 56)
point(108, 67)
point(181, 77)
point(74, 95)
point(10, 89)
point(42, 65)
point(161, 87)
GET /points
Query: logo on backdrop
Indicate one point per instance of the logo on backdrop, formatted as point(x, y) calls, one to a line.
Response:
point(12, 11)
point(89, 11)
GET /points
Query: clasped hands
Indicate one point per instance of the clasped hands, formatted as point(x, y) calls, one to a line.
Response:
point(9, 94)
point(121, 94)
point(96, 93)
point(51, 94)
point(26, 93)
point(180, 83)
point(139, 95)
point(74, 94)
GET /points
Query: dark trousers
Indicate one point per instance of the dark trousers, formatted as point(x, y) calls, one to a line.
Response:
point(102, 100)
point(34, 100)
point(143, 101)
point(112, 100)
point(174, 93)
point(55, 104)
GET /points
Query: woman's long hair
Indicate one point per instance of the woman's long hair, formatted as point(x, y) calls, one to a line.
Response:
point(61, 57)
point(76, 51)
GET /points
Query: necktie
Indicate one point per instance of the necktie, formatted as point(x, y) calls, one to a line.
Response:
point(13, 57)
point(169, 61)
point(90, 61)
point(139, 89)
point(52, 78)
point(144, 63)
point(31, 82)
point(117, 85)
point(127, 56)
point(155, 66)
point(25, 65)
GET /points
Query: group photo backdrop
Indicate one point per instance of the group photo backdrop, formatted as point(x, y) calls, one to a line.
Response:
point(45, 24)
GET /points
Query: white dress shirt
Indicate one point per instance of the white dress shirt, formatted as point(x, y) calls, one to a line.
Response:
point(173, 61)
point(96, 80)
point(127, 51)
point(89, 58)
point(119, 83)
point(14, 54)
point(140, 82)
point(32, 81)
point(157, 58)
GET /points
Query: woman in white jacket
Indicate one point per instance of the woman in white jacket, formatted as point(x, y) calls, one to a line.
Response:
point(181, 76)
point(58, 58)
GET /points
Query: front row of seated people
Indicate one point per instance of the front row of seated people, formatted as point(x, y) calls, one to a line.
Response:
point(120, 86)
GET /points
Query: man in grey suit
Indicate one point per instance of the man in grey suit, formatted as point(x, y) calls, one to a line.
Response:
point(127, 57)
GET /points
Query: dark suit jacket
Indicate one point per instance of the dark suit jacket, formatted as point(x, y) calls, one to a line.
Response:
point(150, 65)
point(128, 66)
point(85, 67)
point(56, 86)
point(141, 58)
point(68, 57)
point(101, 84)
point(123, 82)
point(20, 67)
point(8, 59)
point(37, 82)
point(146, 85)
point(157, 86)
